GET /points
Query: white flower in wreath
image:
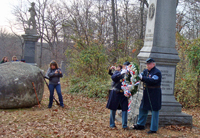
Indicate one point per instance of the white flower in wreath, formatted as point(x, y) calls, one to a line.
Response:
point(130, 87)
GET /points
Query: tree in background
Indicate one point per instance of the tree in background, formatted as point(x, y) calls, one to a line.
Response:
point(115, 35)
point(193, 51)
point(9, 44)
point(88, 68)
point(187, 80)
point(188, 71)
point(188, 15)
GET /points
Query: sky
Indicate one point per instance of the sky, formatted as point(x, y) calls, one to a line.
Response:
point(6, 7)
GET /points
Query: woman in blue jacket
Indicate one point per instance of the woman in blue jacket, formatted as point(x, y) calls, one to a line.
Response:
point(117, 100)
point(54, 74)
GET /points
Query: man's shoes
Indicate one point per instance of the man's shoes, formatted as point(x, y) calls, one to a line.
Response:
point(113, 128)
point(151, 132)
point(127, 128)
point(137, 127)
point(49, 106)
point(62, 106)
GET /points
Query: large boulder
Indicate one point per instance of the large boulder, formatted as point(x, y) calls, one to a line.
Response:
point(16, 89)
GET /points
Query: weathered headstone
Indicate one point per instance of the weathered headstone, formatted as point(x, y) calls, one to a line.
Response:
point(30, 38)
point(63, 66)
point(16, 89)
point(159, 44)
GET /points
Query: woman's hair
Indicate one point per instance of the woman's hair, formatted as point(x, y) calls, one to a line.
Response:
point(3, 58)
point(120, 66)
point(14, 57)
point(54, 63)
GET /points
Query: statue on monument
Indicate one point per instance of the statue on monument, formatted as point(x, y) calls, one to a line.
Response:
point(151, 11)
point(32, 21)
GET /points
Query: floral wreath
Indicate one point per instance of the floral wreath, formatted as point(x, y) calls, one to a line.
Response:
point(131, 80)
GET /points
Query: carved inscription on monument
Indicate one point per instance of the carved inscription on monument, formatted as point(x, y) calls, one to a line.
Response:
point(149, 38)
point(29, 52)
point(167, 84)
point(30, 49)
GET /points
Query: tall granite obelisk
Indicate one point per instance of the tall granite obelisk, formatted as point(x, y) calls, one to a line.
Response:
point(159, 44)
point(31, 37)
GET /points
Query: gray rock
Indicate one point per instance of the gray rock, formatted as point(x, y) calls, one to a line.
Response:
point(16, 89)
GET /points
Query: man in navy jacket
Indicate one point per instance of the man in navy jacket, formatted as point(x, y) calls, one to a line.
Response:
point(151, 100)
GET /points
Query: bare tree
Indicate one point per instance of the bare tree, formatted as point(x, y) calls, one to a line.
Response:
point(188, 15)
point(9, 44)
point(115, 37)
point(41, 9)
point(21, 45)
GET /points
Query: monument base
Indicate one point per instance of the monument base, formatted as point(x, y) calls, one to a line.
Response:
point(165, 119)
point(171, 118)
point(30, 50)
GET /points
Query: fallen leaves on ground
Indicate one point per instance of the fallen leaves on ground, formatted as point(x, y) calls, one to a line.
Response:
point(82, 117)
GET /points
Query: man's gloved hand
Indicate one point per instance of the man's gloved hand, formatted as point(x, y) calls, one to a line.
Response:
point(123, 71)
point(140, 76)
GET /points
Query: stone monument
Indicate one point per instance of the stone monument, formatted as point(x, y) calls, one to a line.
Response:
point(31, 37)
point(159, 44)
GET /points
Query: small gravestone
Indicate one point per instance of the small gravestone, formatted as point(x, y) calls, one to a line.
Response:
point(63, 66)
point(16, 89)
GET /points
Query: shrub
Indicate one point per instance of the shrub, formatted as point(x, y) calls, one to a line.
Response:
point(187, 85)
point(88, 67)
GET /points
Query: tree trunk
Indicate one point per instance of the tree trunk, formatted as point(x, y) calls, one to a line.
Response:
point(114, 31)
point(142, 19)
point(100, 23)
point(87, 23)
point(40, 57)
point(117, 20)
point(127, 25)
point(198, 89)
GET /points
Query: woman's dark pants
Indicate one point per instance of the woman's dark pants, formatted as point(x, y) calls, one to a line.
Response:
point(58, 89)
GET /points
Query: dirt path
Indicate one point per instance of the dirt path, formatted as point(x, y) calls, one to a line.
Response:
point(82, 117)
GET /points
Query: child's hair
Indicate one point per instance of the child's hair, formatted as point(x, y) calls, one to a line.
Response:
point(120, 66)
point(54, 63)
